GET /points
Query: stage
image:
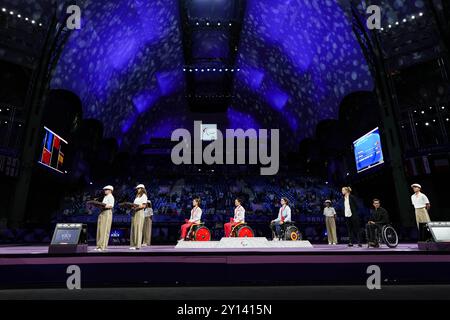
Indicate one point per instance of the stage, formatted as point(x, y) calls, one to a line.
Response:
point(33, 267)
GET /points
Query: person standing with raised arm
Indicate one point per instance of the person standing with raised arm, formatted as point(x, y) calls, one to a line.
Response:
point(351, 216)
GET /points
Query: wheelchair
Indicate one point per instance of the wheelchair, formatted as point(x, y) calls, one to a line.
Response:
point(386, 235)
point(198, 232)
point(289, 232)
point(242, 230)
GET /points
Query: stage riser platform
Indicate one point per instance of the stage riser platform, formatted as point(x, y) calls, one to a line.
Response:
point(222, 271)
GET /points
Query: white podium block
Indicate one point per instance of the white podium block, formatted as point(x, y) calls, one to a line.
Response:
point(242, 243)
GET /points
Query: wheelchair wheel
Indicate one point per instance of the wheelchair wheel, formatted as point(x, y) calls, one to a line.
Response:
point(244, 232)
point(291, 233)
point(202, 234)
point(390, 237)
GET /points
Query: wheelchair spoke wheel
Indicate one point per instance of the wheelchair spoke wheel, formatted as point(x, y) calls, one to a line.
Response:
point(390, 237)
point(202, 234)
point(245, 232)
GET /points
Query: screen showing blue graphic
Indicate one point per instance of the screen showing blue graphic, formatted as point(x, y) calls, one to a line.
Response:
point(66, 236)
point(368, 151)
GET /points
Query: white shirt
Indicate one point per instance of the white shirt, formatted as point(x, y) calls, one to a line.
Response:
point(284, 214)
point(148, 212)
point(419, 200)
point(109, 201)
point(196, 215)
point(239, 214)
point(329, 212)
point(348, 210)
point(141, 200)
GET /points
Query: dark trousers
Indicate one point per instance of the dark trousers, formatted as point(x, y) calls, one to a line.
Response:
point(371, 231)
point(276, 228)
point(353, 229)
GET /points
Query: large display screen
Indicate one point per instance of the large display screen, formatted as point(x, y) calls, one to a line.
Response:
point(368, 151)
point(52, 154)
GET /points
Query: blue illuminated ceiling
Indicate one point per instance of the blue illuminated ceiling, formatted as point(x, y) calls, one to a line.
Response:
point(297, 60)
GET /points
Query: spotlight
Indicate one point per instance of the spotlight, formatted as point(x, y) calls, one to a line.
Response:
point(220, 70)
point(238, 69)
point(226, 70)
point(19, 16)
point(207, 23)
point(232, 70)
point(11, 12)
point(184, 70)
point(3, 9)
point(422, 112)
point(230, 24)
point(413, 17)
point(397, 23)
point(218, 24)
point(40, 24)
point(442, 108)
point(207, 70)
point(447, 119)
point(26, 19)
point(33, 22)
point(404, 20)
point(427, 124)
point(197, 24)
point(389, 26)
point(382, 29)
point(196, 70)
point(203, 70)
point(190, 70)
point(420, 14)
point(214, 70)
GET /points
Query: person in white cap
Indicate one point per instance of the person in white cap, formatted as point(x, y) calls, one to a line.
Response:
point(148, 216)
point(421, 204)
point(137, 221)
point(330, 222)
point(105, 219)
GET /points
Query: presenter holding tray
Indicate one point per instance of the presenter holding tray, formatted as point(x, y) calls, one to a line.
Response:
point(128, 205)
point(97, 204)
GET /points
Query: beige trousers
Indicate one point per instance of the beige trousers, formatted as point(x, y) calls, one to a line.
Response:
point(147, 231)
point(331, 229)
point(103, 228)
point(422, 216)
point(137, 224)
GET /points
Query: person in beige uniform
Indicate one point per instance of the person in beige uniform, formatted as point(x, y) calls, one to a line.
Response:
point(421, 204)
point(148, 216)
point(330, 222)
point(105, 219)
point(137, 221)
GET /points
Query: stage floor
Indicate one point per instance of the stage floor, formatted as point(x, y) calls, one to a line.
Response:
point(166, 249)
point(33, 267)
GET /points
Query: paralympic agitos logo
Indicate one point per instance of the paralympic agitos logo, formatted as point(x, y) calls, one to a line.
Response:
point(225, 150)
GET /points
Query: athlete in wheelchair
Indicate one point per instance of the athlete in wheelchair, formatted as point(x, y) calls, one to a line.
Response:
point(378, 228)
point(194, 229)
point(282, 227)
point(237, 227)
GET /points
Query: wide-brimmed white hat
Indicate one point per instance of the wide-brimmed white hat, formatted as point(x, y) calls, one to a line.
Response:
point(416, 185)
point(327, 201)
point(108, 187)
point(140, 186)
